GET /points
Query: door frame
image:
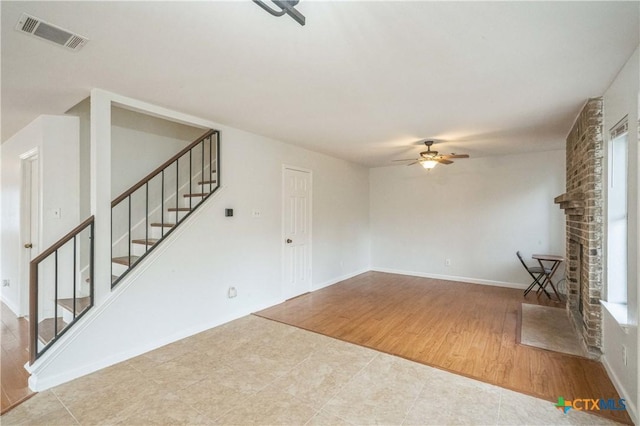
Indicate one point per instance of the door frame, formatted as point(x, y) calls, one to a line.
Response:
point(282, 226)
point(25, 255)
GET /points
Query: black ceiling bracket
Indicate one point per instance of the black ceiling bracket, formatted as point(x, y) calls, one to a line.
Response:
point(286, 6)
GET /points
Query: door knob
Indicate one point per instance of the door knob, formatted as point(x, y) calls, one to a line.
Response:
point(28, 245)
point(289, 240)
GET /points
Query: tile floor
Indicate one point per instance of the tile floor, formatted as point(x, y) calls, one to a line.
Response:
point(256, 371)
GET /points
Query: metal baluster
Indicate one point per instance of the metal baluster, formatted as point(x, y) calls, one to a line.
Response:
point(91, 285)
point(190, 192)
point(146, 218)
point(218, 175)
point(177, 188)
point(202, 171)
point(129, 241)
point(74, 277)
point(111, 241)
point(33, 311)
point(162, 199)
point(210, 163)
point(55, 300)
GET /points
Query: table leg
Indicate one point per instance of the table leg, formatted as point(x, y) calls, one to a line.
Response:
point(548, 276)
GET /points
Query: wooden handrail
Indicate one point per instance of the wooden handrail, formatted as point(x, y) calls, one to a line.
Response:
point(163, 166)
point(62, 241)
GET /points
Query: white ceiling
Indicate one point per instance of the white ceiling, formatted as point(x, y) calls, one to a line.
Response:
point(362, 80)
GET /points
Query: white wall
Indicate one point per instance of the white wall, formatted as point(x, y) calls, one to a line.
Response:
point(621, 99)
point(140, 143)
point(82, 111)
point(183, 285)
point(56, 139)
point(476, 212)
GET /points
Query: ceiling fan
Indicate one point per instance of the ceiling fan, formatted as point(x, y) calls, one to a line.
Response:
point(429, 159)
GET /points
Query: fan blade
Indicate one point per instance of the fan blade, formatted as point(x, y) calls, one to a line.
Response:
point(456, 156)
point(407, 159)
point(444, 161)
point(411, 164)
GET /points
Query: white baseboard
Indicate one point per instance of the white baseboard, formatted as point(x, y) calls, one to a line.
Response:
point(629, 402)
point(452, 278)
point(338, 279)
point(11, 306)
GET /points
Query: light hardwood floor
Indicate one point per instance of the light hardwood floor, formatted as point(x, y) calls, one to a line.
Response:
point(467, 329)
point(15, 341)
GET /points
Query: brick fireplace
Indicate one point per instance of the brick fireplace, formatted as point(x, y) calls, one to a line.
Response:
point(583, 204)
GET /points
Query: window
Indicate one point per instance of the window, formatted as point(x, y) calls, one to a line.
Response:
point(617, 215)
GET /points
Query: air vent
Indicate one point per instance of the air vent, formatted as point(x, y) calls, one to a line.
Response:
point(46, 31)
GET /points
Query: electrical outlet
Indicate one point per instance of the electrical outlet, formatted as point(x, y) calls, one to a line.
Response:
point(6, 283)
point(624, 354)
point(256, 213)
point(447, 262)
point(232, 292)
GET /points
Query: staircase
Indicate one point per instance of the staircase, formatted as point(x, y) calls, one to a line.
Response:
point(61, 278)
point(158, 230)
point(152, 208)
point(60, 287)
point(47, 330)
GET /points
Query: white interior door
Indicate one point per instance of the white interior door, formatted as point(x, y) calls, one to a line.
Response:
point(30, 218)
point(296, 232)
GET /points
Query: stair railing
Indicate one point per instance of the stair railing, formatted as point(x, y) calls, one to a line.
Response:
point(57, 275)
point(133, 212)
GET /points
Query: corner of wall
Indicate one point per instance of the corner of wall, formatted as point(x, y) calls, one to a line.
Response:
point(624, 394)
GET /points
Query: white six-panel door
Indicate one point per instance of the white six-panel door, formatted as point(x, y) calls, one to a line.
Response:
point(296, 231)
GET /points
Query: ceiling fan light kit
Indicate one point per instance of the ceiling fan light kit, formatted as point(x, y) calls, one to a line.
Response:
point(429, 159)
point(429, 164)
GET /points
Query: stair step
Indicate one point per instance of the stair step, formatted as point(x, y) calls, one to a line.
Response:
point(149, 242)
point(207, 182)
point(165, 225)
point(203, 194)
point(81, 303)
point(46, 330)
point(179, 209)
point(125, 260)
